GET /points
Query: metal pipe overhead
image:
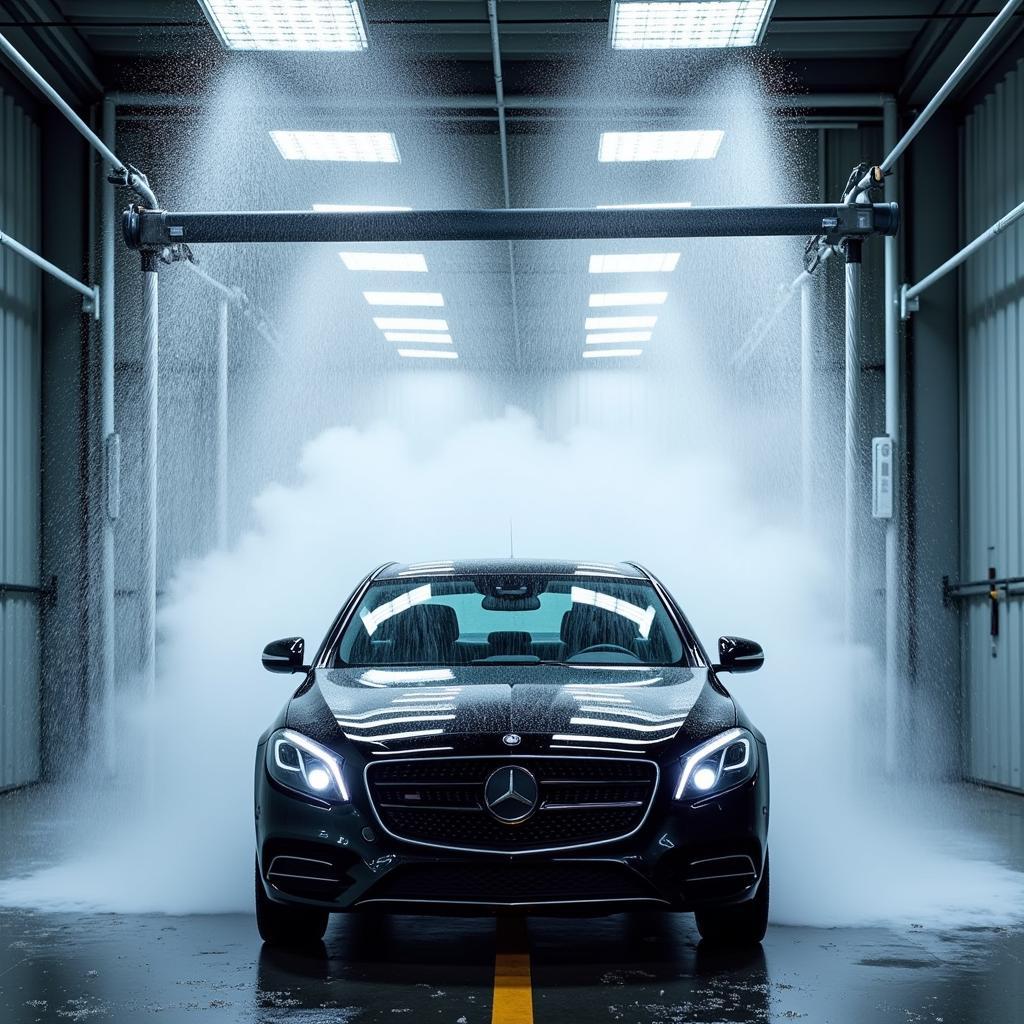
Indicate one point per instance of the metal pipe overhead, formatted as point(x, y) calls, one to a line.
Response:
point(132, 179)
point(111, 459)
point(310, 104)
point(148, 478)
point(852, 461)
point(90, 293)
point(911, 293)
point(893, 389)
point(947, 87)
point(145, 229)
point(806, 396)
point(222, 423)
point(499, 94)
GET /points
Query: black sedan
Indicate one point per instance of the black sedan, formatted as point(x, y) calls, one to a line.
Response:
point(482, 736)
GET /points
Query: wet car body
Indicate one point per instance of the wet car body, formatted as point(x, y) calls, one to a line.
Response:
point(520, 784)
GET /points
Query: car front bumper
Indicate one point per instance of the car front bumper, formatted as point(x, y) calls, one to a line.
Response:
point(685, 856)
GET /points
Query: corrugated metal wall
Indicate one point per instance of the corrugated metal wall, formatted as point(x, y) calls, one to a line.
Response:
point(19, 448)
point(992, 390)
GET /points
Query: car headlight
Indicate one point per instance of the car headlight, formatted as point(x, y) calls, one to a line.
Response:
point(302, 764)
point(723, 762)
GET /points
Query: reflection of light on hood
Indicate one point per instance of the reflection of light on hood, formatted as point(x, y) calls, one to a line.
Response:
point(643, 617)
point(388, 677)
point(644, 716)
point(428, 569)
point(408, 750)
point(346, 723)
point(611, 668)
point(604, 723)
point(394, 710)
point(394, 735)
point(566, 738)
point(383, 612)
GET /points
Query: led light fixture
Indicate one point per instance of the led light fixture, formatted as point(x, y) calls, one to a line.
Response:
point(404, 298)
point(698, 144)
point(618, 337)
point(688, 24)
point(358, 208)
point(646, 206)
point(619, 323)
point(409, 262)
point(410, 323)
point(419, 336)
point(634, 263)
point(287, 24)
point(611, 353)
point(350, 147)
point(427, 353)
point(599, 299)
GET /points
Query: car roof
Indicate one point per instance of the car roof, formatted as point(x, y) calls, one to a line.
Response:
point(510, 567)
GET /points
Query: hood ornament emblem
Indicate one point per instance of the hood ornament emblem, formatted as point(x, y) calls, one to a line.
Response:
point(511, 794)
point(511, 739)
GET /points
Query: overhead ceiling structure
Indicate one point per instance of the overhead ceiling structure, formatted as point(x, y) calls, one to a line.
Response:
point(901, 46)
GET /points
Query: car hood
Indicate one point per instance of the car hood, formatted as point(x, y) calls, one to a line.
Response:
point(626, 708)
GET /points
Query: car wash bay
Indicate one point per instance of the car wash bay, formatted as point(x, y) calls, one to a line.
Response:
point(704, 294)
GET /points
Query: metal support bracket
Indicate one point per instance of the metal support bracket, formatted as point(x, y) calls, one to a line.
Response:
point(91, 304)
point(908, 306)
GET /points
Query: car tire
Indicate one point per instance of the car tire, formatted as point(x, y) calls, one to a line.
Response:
point(742, 925)
point(281, 925)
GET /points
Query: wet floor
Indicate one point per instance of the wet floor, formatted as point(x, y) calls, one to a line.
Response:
point(642, 967)
point(632, 968)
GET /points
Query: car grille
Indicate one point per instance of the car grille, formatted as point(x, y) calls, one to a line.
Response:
point(440, 801)
point(512, 884)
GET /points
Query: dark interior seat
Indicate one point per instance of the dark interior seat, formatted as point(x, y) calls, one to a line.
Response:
point(509, 642)
point(584, 626)
point(424, 633)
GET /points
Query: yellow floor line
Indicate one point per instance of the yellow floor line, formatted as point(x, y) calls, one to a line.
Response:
point(513, 989)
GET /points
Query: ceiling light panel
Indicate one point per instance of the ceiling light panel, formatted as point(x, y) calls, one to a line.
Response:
point(634, 263)
point(287, 24)
point(599, 299)
point(404, 298)
point(410, 323)
point(427, 353)
point(406, 262)
point(632, 147)
point(620, 323)
point(348, 147)
point(688, 24)
point(427, 337)
point(612, 353)
point(618, 337)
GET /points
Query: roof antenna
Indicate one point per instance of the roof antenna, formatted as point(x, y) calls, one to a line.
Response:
point(511, 545)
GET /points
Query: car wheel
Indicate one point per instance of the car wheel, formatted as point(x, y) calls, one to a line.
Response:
point(740, 925)
point(281, 925)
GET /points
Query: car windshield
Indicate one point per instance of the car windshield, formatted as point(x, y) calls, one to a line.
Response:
point(495, 620)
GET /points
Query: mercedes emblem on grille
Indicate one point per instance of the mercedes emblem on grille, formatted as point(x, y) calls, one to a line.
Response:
point(510, 794)
point(511, 739)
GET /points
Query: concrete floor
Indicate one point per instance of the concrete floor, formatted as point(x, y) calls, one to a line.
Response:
point(632, 968)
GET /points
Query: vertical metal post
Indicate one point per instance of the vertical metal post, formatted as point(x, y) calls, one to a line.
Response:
point(893, 714)
point(107, 662)
point(806, 394)
point(149, 437)
point(222, 424)
point(852, 460)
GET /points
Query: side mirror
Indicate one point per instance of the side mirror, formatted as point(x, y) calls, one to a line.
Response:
point(285, 655)
point(738, 655)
